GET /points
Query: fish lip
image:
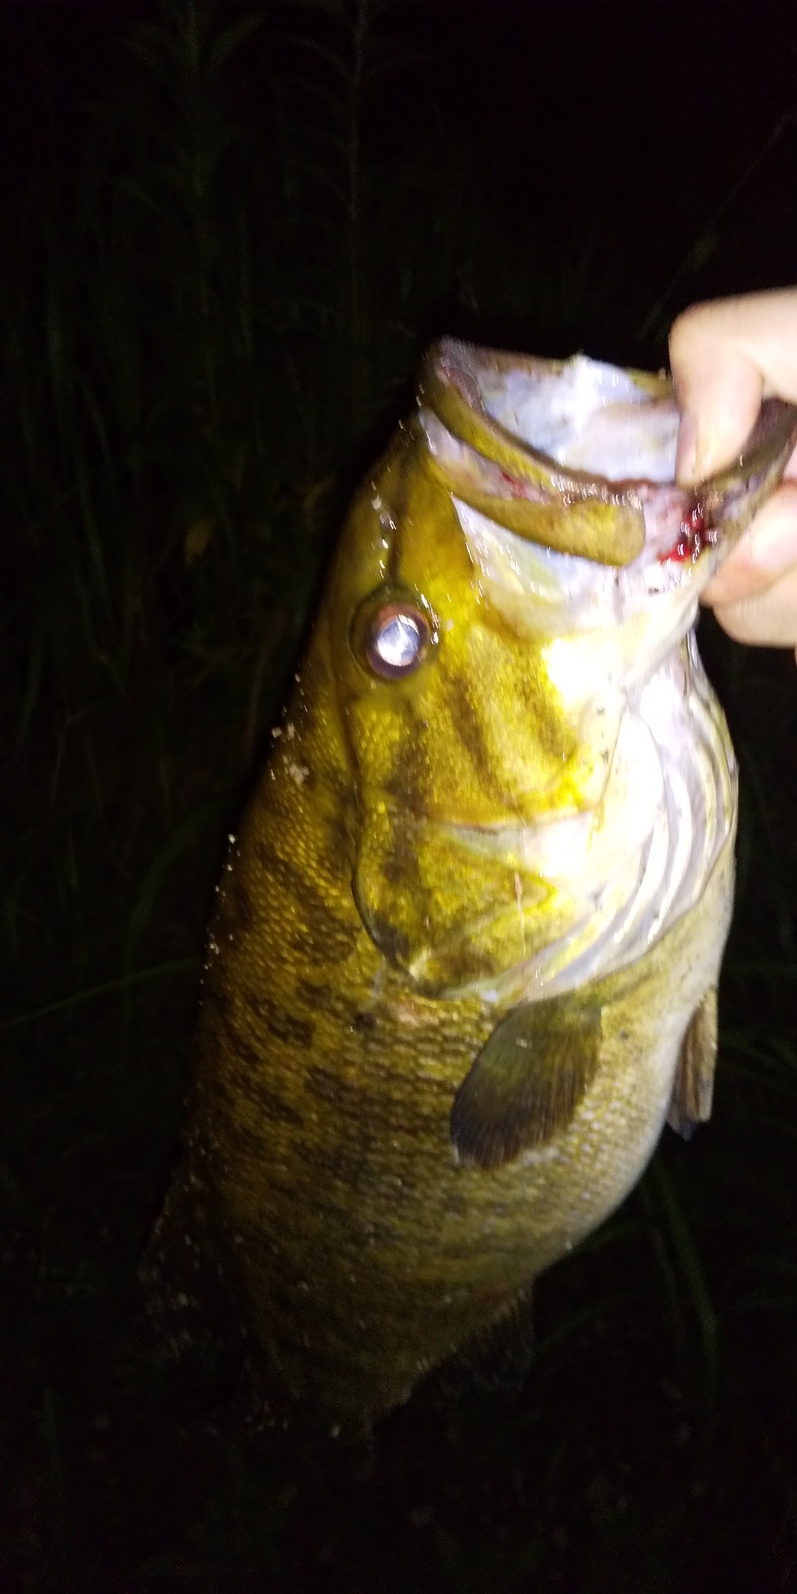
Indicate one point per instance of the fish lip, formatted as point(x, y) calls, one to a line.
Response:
point(460, 363)
point(546, 594)
point(585, 513)
point(450, 359)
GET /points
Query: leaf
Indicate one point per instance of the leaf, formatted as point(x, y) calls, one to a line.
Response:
point(229, 40)
point(198, 537)
point(182, 837)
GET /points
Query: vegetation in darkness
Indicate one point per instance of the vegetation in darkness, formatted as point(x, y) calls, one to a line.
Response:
point(226, 244)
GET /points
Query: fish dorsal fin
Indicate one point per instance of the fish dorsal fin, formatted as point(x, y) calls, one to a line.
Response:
point(527, 1081)
point(693, 1087)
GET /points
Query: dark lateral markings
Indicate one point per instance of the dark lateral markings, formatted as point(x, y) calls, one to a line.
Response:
point(327, 938)
point(471, 734)
point(274, 1106)
point(285, 1026)
point(243, 1145)
point(363, 1108)
point(326, 999)
point(263, 1096)
point(256, 1062)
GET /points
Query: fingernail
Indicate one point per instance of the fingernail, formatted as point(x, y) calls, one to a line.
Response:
point(686, 449)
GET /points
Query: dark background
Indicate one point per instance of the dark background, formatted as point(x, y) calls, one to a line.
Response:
point(223, 247)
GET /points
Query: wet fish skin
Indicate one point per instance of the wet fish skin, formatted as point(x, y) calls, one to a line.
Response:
point(424, 1069)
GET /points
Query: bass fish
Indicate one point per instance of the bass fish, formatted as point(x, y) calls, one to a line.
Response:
point(464, 959)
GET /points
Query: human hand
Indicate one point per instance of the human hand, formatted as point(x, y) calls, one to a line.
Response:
point(725, 356)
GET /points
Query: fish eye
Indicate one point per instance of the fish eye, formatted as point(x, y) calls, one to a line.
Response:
point(393, 636)
point(397, 639)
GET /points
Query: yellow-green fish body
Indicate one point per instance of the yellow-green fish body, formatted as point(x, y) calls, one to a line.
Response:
point(465, 953)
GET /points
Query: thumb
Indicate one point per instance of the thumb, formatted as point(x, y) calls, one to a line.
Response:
point(718, 389)
point(724, 355)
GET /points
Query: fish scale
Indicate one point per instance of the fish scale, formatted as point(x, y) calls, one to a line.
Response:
point(439, 1033)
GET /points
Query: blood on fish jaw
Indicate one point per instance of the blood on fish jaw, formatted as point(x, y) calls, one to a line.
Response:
point(696, 534)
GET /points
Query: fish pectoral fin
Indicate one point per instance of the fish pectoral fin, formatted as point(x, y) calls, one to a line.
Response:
point(693, 1087)
point(526, 1082)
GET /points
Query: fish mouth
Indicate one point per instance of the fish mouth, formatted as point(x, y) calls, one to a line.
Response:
point(576, 459)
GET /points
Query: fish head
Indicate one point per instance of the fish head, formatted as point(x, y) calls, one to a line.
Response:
point(517, 572)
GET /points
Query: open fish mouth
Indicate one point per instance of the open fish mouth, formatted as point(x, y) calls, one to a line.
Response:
point(563, 478)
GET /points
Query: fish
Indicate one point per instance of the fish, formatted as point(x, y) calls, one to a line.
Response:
point(464, 957)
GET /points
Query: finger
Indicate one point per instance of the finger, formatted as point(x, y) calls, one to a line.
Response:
point(766, 619)
point(724, 354)
point(768, 548)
